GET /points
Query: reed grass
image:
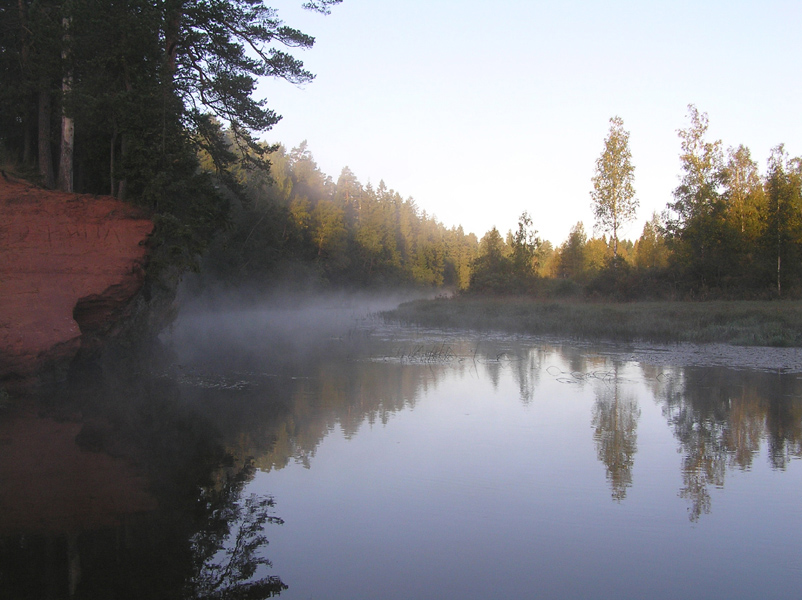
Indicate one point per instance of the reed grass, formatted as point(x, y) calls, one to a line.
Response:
point(420, 353)
point(745, 323)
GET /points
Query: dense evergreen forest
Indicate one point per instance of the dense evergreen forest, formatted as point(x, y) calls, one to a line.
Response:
point(296, 223)
point(124, 97)
point(152, 102)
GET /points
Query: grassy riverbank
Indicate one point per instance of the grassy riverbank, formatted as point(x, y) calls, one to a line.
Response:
point(776, 323)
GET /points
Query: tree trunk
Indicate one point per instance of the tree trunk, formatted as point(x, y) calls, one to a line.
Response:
point(173, 12)
point(45, 157)
point(27, 124)
point(27, 140)
point(65, 169)
point(121, 188)
point(111, 163)
point(615, 241)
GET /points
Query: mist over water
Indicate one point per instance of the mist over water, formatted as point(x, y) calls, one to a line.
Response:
point(244, 329)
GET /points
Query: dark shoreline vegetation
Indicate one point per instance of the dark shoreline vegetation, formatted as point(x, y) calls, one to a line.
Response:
point(744, 323)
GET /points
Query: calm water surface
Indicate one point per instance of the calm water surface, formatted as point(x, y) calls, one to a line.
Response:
point(403, 463)
point(517, 469)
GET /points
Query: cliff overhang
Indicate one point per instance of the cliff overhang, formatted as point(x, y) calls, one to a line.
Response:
point(70, 266)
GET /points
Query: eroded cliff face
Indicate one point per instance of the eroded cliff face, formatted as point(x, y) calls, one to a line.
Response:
point(70, 266)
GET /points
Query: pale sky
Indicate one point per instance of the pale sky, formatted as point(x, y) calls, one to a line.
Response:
point(482, 110)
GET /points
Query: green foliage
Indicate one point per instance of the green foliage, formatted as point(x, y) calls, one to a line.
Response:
point(700, 187)
point(613, 194)
point(298, 224)
point(781, 242)
point(729, 233)
point(650, 250)
point(699, 234)
point(146, 85)
point(492, 269)
point(743, 193)
point(525, 248)
point(510, 267)
point(597, 255)
point(571, 262)
point(161, 95)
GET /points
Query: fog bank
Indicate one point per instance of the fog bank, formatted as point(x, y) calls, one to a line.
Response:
point(245, 329)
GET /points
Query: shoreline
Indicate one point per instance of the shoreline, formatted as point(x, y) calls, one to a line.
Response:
point(733, 323)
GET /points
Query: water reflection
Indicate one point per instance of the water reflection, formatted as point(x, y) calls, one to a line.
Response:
point(721, 416)
point(615, 423)
point(345, 395)
point(115, 487)
point(227, 552)
point(516, 447)
point(167, 456)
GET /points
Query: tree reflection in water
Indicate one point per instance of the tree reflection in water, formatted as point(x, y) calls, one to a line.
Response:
point(720, 418)
point(193, 443)
point(172, 524)
point(615, 422)
point(226, 555)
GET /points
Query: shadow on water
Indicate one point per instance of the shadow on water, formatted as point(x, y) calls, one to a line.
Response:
point(114, 486)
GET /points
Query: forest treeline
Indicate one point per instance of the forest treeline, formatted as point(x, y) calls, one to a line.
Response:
point(152, 101)
point(295, 222)
point(730, 232)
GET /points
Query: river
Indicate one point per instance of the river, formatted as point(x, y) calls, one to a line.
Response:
point(319, 452)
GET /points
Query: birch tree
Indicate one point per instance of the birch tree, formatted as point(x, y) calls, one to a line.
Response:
point(613, 195)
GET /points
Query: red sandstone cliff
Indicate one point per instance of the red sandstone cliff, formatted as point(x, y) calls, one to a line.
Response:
point(69, 266)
